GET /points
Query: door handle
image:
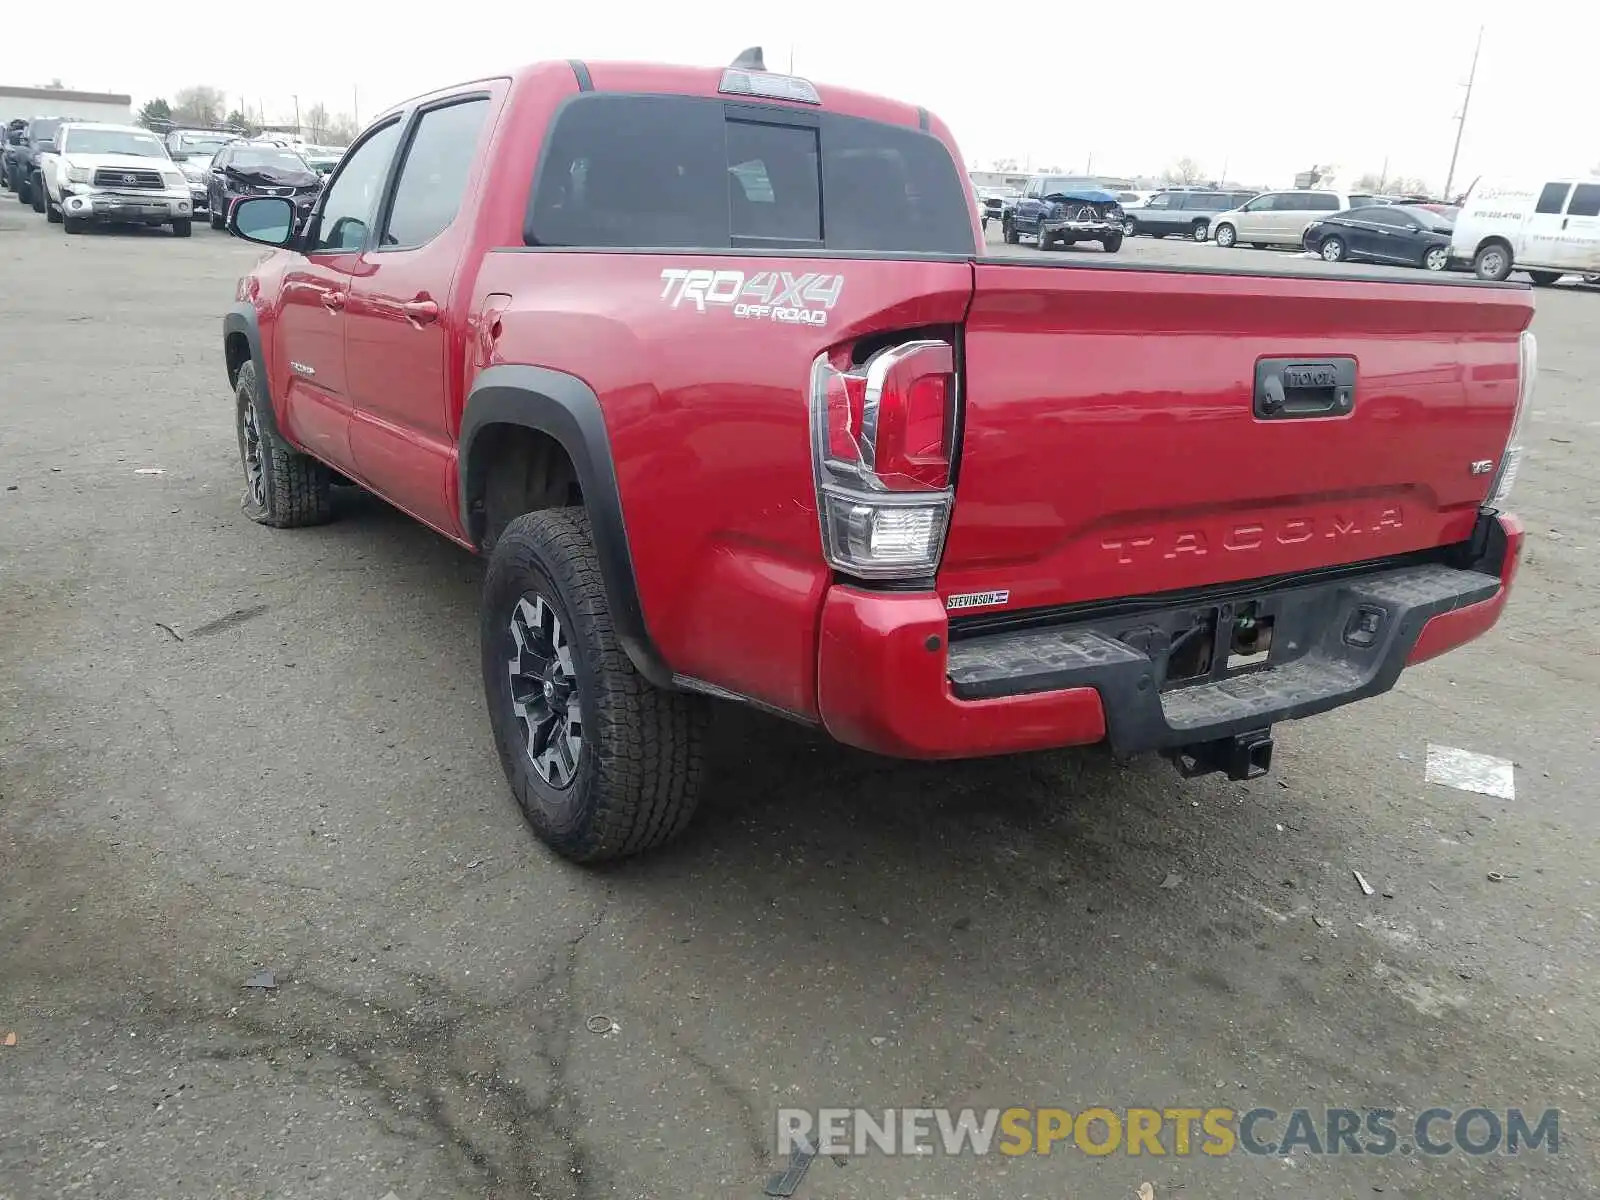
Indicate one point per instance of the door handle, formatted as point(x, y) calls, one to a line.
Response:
point(333, 301)
point(421, 311)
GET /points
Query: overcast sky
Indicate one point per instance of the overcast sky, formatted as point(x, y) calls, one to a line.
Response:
point(1267, 87)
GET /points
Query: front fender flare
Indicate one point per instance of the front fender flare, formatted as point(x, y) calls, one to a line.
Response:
point(565, 408)
point(241, 319)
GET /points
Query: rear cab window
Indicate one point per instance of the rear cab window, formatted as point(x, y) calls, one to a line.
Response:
point(672, 171)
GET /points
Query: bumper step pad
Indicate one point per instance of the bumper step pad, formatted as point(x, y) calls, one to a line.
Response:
point(1334, 641)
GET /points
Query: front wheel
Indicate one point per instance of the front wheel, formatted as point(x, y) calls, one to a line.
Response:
point(1492, 262)
point(602, 764)
point(1436, 258)
point(36, 192)
point(1043, 238)
point(282, 487)
point(1008, 230)
point(1197, 231)
point(51, 212)
point(1225, 235)
point(1332, 249)
point(72, 224)
point(1111, 243)
point(183, 227)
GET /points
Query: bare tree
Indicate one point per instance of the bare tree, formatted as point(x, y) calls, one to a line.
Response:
point(341, 130)
point(1185, 170)
point(199, 105)
point(316, 121)
point(1005, 164)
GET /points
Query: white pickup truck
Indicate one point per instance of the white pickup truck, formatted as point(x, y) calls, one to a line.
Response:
point(114, 173)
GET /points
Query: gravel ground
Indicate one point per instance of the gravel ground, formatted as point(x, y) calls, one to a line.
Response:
point(224, 749)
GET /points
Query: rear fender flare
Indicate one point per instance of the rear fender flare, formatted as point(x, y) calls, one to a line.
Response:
point(565, 408)
point(241, 320)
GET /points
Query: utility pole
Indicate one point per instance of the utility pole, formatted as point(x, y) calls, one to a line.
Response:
point(297, 116)
point(355, 106)
point(1461, 121)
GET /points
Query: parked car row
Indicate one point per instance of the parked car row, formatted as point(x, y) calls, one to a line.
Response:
point(80, 172)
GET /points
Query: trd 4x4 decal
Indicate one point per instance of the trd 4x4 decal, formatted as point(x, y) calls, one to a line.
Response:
point(803, 299)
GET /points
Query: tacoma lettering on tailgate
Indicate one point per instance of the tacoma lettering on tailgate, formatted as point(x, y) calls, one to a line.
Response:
point(1249, 535)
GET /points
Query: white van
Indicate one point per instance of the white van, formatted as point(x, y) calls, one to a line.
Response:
point(1279, 218)
point(1545, 227)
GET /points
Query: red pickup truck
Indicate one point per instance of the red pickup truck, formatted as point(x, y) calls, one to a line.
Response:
point(711, 366)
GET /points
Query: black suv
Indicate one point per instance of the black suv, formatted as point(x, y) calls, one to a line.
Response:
point(1185, 212)
point(25, 166)
point(259, 169)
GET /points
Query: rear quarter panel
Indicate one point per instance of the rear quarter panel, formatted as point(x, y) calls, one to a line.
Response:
point(707, 414)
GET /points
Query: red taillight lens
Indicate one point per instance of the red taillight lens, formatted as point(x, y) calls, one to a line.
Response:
point(913, 393)
point(845, 403)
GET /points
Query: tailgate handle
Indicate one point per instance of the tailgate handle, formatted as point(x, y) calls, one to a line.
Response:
point(1288, 388)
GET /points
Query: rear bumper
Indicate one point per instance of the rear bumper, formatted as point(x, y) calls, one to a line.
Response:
point(890, 681)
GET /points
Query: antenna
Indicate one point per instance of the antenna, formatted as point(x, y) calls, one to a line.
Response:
point(750, 60)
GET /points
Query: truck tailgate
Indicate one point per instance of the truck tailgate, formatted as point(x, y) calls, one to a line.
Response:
point(1114, 443)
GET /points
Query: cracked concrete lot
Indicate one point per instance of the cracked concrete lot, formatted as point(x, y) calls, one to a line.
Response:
point(224, 749)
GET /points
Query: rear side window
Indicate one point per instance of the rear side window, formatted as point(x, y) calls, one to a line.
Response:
point(1553, 198)
point(1320, 202)
point(1585, 201)
point(663, 171)
point(433, 176)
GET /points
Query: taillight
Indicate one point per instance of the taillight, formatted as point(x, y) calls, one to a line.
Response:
point(1506, 476)
point(883, 439)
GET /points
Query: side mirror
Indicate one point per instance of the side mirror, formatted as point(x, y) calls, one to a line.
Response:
point(268, 220)
point(44, 147)
point(178, 155)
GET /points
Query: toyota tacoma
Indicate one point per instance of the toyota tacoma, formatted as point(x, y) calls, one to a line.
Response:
point(710, 366)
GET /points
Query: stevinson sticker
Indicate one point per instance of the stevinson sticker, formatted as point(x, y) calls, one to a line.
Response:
point(976, 600)
point(804, 299)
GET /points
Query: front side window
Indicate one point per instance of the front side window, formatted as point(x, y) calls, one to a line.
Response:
point(351, 203)
point(1262, 203)
point(433, 177)
point(1553, 198)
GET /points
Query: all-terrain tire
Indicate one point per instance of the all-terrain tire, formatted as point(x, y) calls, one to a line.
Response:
point(1111, 243)
point(637, 776)
point(183, 227)
point(283, 488)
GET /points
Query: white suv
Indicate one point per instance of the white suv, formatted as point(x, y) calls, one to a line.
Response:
point(1279, 218)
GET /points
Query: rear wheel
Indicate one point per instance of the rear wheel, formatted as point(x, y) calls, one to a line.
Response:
point(1158, 235)
point(601, 763)
point(1435, 258)
point(1332, 249)
point(1225, 235)
point(1492, 262)
point(36, 192)
point(1197, 231)
point(1111, 243)
point(1544, 278)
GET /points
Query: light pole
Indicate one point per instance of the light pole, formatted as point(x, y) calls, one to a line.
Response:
point(1461, 121)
